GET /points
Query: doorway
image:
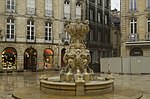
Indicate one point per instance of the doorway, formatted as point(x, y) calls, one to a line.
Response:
point(30, 59)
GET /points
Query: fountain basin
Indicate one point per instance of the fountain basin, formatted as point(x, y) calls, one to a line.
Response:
point(55, 86)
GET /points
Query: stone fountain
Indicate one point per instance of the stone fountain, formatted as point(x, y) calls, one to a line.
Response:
point(77, 78)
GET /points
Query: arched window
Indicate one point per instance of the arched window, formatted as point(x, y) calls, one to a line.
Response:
point(136, 52)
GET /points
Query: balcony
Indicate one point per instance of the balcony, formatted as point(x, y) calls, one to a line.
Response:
point(134, 40)
point(133, 37)
point(147, 36)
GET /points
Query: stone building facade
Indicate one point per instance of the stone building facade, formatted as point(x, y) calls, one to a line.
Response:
point(32, 33)
point(135, 28)
point(98, 39)
point(115, 32)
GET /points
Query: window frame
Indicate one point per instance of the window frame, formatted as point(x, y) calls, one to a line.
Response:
point(132, 5)
point(30, 35)
point(9, 35)
point(133, 26)
point(11, 5)
point(48, 34)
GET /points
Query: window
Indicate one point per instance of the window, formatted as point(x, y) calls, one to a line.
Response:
point(48, 7)
point(78, 10)
point(115, 39)
point(30, 6)
point(91, 34)
point(99, 35)
point(133, 6)
point(106, 19)
point(48, 32)
point(106, 3)
point(10, 5)
point(93, 1)
point(92, 15)
point(148, 25)
point(99, 17)
point(67, 9)
point(99, 2)
point(148, 4)
point(67, 37)
point(133, 26)
point(30, 31)
point(10, 29)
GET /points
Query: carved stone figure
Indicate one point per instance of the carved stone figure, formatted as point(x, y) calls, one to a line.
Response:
point(77, 57)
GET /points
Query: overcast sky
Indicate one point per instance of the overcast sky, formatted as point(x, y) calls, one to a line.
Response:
point(115, 4)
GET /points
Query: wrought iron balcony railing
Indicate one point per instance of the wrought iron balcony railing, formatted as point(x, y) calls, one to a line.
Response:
point(133, 37)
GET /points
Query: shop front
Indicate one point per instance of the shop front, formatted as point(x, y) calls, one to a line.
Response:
point(9, 57)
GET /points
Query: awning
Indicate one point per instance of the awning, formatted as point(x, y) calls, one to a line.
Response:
point(48, 52)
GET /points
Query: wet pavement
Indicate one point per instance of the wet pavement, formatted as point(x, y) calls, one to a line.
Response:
point(126, 86)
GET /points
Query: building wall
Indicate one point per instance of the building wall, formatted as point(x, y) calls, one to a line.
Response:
point(21, 18)
point(141, 14)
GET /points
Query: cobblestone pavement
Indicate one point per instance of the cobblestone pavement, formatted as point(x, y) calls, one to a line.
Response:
point(16, 80)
